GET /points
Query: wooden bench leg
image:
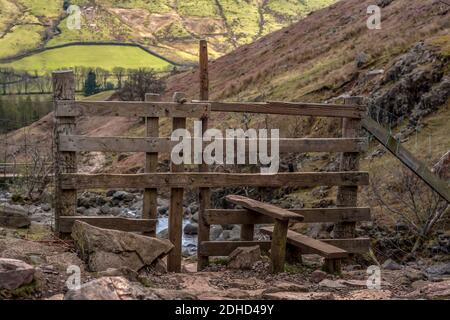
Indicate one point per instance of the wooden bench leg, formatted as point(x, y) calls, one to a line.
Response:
point(278, 247)
point(332, 266)
point(247, 232)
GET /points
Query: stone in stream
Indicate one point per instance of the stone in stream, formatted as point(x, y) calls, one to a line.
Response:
point(14, 217)
point(244, 257)
point(191, 228)
point(104, 248)
point(390, 264)
point(15, 273)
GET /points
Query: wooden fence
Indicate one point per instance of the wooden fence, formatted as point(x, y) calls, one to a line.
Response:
point(68, 181)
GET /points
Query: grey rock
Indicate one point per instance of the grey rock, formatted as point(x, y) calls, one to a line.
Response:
point(14, 217)
point(191, 228)
point(105, 209)
point(162, 210)
point(92, 212)
point(439, 269)
point(104, 248)
point(115, 211)
point(195, 217)
point(390, 264)
point(46, 207)
point(318, 275)
point(15, 273)
point(164, 234)
point(215, 232)
point(244, 257)
point(331, 284)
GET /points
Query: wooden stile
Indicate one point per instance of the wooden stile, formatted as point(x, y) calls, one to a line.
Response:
point(146, 226)
point(65, 162)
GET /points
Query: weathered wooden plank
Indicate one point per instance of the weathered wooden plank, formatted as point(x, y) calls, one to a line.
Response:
point(347, 196)
point(407, 158)
point(155, 144)
point(150, 197)
point(353, 245)
point(131, 109)
point(176, 205)
point(105, 222)
point(264, 208)
point(204, 194)
point(315, 215)
point(65, 162)
point(247, 232)
point(290, 108)
point(224, 248)
point(309, 245)
point(278, 246)
point(212, 180)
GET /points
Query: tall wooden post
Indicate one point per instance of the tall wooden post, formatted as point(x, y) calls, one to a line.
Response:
point(347, 196)
point(176, 205)
point(65, 162)
point(204, 193)
point(150, 205)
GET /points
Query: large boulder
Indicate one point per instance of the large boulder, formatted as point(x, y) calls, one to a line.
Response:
point(13, 217)
point(104, 248)
point(244, 257)
point(15, 273)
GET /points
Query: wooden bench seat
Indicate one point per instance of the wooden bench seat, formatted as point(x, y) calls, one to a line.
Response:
point(332, 254)
point(309, 245)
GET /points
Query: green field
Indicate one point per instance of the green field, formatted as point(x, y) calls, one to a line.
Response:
point(99, 56)
point(169, 28)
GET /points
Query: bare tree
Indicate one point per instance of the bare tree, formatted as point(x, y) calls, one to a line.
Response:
point(412, 201)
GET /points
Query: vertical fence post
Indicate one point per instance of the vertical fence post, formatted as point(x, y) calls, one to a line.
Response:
point(347, 196)
point(204, 193)
point(150, 203)
point(65, 162)
point(176, 204)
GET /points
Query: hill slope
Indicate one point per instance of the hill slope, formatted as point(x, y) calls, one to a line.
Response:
point(169, 27)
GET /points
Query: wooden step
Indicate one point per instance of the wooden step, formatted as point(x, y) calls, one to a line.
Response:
point(264, 208)
point(309, 245)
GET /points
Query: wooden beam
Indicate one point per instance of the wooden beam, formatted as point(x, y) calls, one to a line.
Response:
point(224, 248)
point(131, 109)
point(290, 108)
point(212, 180)
point(315, 215)
point(264, 208)
point(115, 223)
point(65, 162)
point(309, 245)
point(204, 194)
point(150, 197)
point(347, 196)
point(176, 205)
point(353, 245)
point(155, 144)
point(407, 158)
point(278, 246)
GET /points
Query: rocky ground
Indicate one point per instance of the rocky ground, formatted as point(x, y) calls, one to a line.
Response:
point(42, 262)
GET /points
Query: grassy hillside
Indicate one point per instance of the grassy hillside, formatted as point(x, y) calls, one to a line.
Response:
point(105, 57)
point(169, 27)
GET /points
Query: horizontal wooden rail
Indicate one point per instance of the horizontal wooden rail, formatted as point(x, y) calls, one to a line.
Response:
point(290, 108)
point(224, 248)
point(244, 216)
point(116, 223)
point(135, 144)
point(131, 109)
point(212, 180)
